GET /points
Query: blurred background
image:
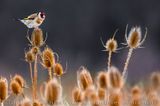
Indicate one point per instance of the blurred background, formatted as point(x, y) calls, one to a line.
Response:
point(74, 30)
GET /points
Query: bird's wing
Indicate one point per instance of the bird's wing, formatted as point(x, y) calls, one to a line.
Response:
point(31, 17)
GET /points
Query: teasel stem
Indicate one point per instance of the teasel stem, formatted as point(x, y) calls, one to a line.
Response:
point(50, 73)
point(31, 75)
point(127, 61)
point(35, 77)
point(109, 59)
point(2, 104)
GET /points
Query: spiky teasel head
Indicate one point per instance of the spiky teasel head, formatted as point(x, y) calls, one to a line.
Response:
point(136, 96)
point(77, 95)
point(134, 39)
point(155, 80)
point(58, 69)
point(17, 84)
point(3, 89)
point(29, 57)
point(153, 98)
point(35, 50)
point(102, 80)
point(48, 58)
point(37, 37)
point(93, 98)
point(101, 93)
point(115, 78)
point(115, 99)
point(84, 78)
point(37, 103)
point(111, 44)
point(136, 91)
point(16, 87)
point(20, 80)
point(53, 92)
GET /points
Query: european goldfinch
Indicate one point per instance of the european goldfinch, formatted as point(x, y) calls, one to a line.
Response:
point(34, 20)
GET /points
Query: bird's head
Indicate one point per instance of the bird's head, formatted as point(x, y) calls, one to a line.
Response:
point(41, 15)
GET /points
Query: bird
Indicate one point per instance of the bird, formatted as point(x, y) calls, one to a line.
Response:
point(34, 20)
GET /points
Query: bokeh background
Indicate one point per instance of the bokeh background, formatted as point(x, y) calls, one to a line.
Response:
point(74, 30)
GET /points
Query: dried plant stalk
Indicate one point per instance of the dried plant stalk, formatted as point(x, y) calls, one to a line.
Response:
point(127, 61)
point(109, 59)
point(35, 78)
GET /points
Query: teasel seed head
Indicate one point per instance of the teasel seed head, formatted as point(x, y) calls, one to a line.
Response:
point(134, 39)
point(102, 93)
point(93, 98)
point(77, 95)
point(136, 91)
point(58, 69)
point(115, 78)
point(29, 57)
point(37, 103)
point(3, 89)
point(155, 80)
point(115, 99)
point(136, 96)
point(48, 58)
point(53, 92)
point(88, 91)
point(102, 80)
point(111, 44)
point(84, 78)
point(153, 98)
point(37, 37)
point(35, 50)
point(20, 80)
point(16, 87)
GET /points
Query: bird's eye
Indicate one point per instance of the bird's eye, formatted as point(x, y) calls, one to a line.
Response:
point(42, 15)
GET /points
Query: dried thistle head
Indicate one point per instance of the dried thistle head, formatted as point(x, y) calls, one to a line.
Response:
point(101, 93)
point(48, 58)
point(111, 44)
point(3, 89)
point(134, 39)
point(153, 98)
point(88, 91)
point(37, 37)
point(29, 57)
point(19, 79)
point(58, 69)
point(93, 97)
point(115, 99)
point(155, 80)
point(102, 80)
point(136, 91)
point(53, 92)
point(136, 96)
point(16, 87)
point(37, 103)
point(77, 95)
point(35, 50)
point(115, 78)
point(84, 78)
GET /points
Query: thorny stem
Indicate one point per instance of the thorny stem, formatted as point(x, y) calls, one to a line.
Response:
point(35, 78)
point(109, 59)
point(32, 81)
point(127, 61)
point(50, 73)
